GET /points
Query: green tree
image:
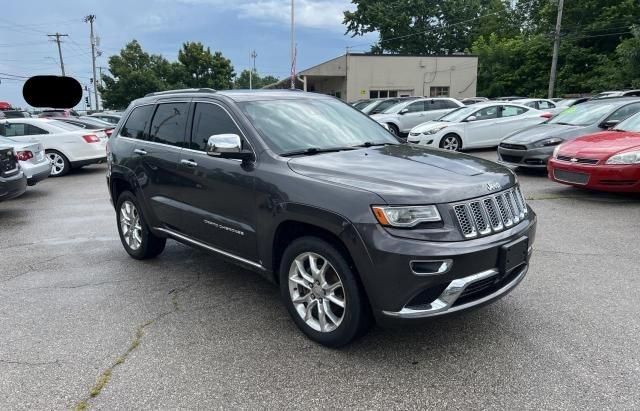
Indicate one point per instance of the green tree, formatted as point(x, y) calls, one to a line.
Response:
point(242, 80)
point(201, 68)
point(135, 74)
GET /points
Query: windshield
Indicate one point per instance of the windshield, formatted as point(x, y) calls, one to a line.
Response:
point(582, 115)
point(292, 125)
point(361, 104)
point(630, 124)
point(397, 107)
point(63, 125)
point(383, 106)
point(459, 114)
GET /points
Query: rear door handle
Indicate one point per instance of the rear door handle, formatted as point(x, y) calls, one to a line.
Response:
point(140, 151)
point(189, 163)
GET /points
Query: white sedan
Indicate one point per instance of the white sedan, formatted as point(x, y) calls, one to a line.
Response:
point(65, 145)
point(479, 125)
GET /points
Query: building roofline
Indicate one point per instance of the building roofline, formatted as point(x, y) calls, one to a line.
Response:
point(411, 55)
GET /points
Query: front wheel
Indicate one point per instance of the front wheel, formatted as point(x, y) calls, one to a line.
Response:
point(322, 293)
point(451, 142)
point(134, 232)
point(393, 129)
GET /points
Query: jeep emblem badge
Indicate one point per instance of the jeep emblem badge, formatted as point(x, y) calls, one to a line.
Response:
point(493, 186)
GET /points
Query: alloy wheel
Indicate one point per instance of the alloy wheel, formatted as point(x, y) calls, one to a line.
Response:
point(317, 292)
point(57, 163)
point(130, 225)
point(450, 143)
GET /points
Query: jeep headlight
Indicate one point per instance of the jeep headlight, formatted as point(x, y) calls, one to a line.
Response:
point(556, 151)
point(630, 157)
point(554, 141)
point(408, 216)
point(434, 130)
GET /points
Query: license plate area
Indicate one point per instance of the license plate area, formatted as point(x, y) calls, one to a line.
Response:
point(513, 255)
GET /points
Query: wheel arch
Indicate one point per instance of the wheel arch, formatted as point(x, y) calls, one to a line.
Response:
point(453, 133)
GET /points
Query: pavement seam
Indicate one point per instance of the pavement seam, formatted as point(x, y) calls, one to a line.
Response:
point(30, 364)
point(105, 376)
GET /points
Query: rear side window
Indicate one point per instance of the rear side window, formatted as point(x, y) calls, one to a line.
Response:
point(510, 111)
point(169, 124)
point(136, 125)
point(416, 107)
point(542, 105)
point(32, 130)
point(208, 120)
point(13, 129)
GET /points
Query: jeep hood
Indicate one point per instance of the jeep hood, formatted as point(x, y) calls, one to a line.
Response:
point(405, 174)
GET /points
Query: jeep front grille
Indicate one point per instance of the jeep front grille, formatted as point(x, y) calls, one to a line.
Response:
point(491, 214)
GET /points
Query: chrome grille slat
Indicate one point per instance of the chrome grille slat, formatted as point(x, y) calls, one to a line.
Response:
point(493, 213)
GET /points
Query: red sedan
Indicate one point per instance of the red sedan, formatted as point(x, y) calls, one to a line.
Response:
point(608, 161)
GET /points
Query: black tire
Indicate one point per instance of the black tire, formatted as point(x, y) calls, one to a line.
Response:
point(393, 129)
point(61, 166)
point(356, 315)
point(451, 137)
point(150, 244)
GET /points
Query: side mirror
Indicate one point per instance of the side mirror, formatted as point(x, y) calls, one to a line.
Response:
point(404, 111)
point(471, 118)
point(609, 124)
point(227, 146)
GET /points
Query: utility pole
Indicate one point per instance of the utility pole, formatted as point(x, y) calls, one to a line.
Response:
point(293, 47)
point(90, 19)
point(57, 40)
point(253, 56)
point(556, 47)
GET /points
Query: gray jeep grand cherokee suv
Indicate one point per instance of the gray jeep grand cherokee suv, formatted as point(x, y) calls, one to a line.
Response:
point(352, 224)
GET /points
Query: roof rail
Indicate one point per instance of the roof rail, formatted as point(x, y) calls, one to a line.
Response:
point(184, 90)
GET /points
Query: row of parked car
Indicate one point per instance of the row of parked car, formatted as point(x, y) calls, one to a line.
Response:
point(532, 133)
point(33, 149)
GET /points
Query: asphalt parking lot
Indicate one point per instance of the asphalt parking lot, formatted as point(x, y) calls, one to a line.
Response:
point(83, 324)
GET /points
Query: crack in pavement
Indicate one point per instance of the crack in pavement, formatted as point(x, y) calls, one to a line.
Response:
point(32, 268)
point(105, 376)
point(30, 364)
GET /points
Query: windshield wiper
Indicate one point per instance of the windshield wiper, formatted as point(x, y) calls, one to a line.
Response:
point(370, 144)
point(564, 124)
point(618, 130)
point(314, 150)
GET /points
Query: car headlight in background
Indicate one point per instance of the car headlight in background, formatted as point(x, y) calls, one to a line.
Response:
point(556, 151)
point(434, 130)
point(631, 157)
point(409, 216)
point(554, 141)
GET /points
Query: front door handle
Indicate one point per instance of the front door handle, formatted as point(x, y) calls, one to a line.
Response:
point(189, 163)
point(140, 151)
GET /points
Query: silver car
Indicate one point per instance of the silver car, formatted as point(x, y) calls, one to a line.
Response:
point(401, 118)
point(35, 164)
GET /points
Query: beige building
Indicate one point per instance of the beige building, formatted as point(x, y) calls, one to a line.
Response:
point(358, 76)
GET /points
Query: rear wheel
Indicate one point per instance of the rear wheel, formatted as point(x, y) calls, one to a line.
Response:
point(134, 232)
point(322, 293)
point(451, 142)
point(59, 163)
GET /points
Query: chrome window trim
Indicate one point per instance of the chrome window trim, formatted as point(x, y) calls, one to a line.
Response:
point(210, 248)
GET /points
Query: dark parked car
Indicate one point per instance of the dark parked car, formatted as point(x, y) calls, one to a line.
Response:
point(352, 224)
point(13, 182)
point(533, 146)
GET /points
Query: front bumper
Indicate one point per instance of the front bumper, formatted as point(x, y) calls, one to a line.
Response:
point(623, 178)
point(531, 157)
point(396, 292)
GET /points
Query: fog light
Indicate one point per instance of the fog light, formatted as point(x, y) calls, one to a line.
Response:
point(431, 267)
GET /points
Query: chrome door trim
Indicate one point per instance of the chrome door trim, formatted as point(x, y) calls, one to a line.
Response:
point(210, 248)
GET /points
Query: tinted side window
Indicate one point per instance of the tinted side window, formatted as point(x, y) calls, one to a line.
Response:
point(449, 104)
point(542, 105)
point(210, 119)
point(623, 112)
point(169, 124)
point(31, 130)
point(486, 113)
point(14, 130)
point(510, 111)
point(416, 107)
point(136, 126)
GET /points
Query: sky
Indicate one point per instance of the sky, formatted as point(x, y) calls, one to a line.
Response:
point(234, 27)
